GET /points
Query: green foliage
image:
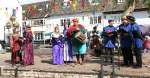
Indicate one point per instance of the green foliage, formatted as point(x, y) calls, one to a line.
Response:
point(147, 2)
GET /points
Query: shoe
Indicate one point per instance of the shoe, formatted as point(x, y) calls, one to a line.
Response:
point(77, 62)
point(137, 66)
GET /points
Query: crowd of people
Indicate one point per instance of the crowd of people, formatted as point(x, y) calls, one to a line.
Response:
point(73, 41)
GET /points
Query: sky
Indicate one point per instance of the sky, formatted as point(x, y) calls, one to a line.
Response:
point(29, 1)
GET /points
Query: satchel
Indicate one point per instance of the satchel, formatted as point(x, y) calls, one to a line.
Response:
point(80, 37)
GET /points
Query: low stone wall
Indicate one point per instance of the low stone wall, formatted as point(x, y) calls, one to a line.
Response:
point(21, 73)
point(46, 74)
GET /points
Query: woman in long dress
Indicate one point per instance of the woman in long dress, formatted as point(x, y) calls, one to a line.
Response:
point(28, 57)
point(68, 53)
point(57, 47)
point(15, 42)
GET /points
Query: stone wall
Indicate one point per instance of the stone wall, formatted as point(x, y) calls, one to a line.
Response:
point(52, 74)
point(45, 74)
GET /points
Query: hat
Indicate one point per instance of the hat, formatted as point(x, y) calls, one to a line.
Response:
point(110, 21)
point(131, 18)
point(74, 20)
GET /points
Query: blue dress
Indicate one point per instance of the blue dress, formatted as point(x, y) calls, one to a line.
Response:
point(109, 41)
point(125, 36)
point(137, 36)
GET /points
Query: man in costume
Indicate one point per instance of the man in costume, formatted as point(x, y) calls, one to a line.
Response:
point(96, 45)
point(76, 33)
point(126, 42)
point(137, 41)
point(109, 38)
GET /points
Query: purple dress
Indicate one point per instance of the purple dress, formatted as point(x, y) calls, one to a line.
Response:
point(57, 50)
point(28, 57)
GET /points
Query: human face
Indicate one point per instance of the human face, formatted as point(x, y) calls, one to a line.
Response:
point(75, 23)
point(111, 23)
point(124, 20)
point(57, 30)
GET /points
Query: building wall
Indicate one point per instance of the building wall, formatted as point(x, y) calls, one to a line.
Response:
point(142, 17)
point(6, 11)
point(85, 19)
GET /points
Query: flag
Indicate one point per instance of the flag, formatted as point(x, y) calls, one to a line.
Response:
point(82, 3)
point(105, 3)
point(6, 12)
point(17, 8)
point(74, 4)
point(14, 12)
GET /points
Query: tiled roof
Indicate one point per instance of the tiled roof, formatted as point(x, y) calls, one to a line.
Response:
point(42, 11)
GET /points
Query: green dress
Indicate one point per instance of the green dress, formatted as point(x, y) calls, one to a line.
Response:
point(78, 47)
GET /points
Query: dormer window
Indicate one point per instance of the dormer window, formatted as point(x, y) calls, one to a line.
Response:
point(120, 1)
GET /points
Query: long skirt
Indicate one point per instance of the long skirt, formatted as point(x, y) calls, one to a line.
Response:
point(28, 57)
point(68, 54)
point(57, 54)
point(16, 57)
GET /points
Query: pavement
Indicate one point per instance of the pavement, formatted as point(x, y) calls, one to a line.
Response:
point(43, 61)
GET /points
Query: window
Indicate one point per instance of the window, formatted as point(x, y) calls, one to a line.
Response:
point(38, 22)
point(95, 19)
point(38, 36)
point(120, 1)
point(65, 22)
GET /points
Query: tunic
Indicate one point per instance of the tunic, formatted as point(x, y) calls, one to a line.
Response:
point(125, 36)
point(137, 36)
point(78, 47)
point(109, 33)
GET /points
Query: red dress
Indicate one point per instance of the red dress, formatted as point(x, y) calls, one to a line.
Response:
point(15, 46)
point(147, 43)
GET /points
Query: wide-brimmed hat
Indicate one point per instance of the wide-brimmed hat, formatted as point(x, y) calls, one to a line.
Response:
point(131, 18)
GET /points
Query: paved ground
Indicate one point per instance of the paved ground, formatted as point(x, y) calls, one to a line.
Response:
point(43, 62)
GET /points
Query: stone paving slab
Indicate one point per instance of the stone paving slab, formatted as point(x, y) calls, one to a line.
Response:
point(92, 65)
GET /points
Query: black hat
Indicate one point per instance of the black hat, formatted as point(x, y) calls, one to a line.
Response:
point(131, 18)
point(110, 21)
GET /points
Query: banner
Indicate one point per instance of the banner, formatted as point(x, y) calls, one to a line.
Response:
point(74, 5)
